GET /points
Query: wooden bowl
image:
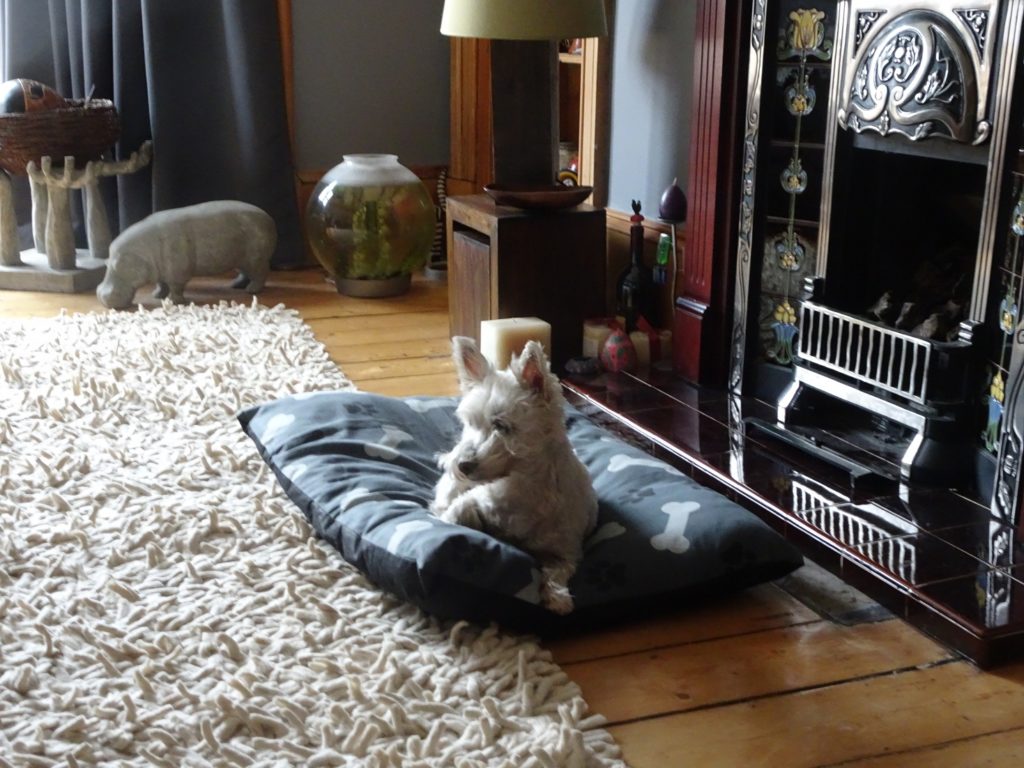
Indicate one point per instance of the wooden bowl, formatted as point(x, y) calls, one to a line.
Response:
point(551, 197)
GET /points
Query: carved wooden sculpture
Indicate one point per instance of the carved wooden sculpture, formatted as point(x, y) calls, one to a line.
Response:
point(51, 217)
point(10, 253)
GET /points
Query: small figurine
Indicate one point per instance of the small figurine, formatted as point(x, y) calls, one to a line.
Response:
point(170, 247)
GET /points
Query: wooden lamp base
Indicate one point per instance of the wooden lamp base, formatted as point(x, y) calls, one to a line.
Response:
point(524, 92)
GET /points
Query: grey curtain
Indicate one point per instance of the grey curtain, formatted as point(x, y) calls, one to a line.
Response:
point(202, 78)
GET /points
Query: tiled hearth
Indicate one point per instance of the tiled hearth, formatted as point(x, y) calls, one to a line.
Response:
point(928, 555)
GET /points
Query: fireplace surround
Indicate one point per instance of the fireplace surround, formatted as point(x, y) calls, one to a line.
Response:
point(878, 273)
point(830, 218)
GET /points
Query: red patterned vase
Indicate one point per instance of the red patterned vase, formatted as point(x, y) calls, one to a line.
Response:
point(618, 352)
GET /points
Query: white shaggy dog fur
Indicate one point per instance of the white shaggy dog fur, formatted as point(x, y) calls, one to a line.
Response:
point(513, 472)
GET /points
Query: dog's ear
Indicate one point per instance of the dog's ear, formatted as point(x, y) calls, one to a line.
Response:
point(470, 365)
point(532, 368)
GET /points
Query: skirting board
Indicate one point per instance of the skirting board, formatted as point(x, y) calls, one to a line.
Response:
point(36, 275)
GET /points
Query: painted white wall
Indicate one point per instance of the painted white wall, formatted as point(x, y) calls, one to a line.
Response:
point(370, 76)
point(652, 84)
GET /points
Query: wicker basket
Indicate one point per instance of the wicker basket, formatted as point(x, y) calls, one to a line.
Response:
point(85, 129)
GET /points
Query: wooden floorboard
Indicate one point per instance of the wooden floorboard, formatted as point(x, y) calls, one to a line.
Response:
point(436, 385)
point(382, 343)
point(399, 368)
point(992, 750)
point(753, 610)
point(689, 676)
point(837, 723)
point(754, 679)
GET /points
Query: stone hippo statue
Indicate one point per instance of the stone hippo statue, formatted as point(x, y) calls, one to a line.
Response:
point(170, 247)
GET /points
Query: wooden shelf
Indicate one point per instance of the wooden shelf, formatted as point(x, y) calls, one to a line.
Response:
point(569, 101)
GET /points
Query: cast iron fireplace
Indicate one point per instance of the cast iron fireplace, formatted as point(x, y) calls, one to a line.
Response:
point(879, 276)
point(882, 172)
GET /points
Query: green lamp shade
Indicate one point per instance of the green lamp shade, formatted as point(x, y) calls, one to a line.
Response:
point(524, 19)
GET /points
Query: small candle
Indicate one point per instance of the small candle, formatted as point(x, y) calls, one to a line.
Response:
point(595, 332)
point(501, 340)
point(666, 346)
point(642, 345)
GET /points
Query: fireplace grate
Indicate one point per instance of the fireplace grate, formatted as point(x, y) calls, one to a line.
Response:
point(919, 383)
point(869, 528)
point(910, 368)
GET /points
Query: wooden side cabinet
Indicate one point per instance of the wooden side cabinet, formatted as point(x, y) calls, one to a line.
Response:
point(507, 262)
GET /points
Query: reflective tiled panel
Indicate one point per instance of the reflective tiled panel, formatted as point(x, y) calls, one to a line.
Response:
point(685, 428)
point(933, 556)
point(932, 510)
point(988, 600)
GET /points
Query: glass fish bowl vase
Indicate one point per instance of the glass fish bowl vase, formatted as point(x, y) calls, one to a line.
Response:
point(370, 223)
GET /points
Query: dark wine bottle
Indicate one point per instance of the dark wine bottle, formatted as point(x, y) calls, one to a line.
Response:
point(635, 286)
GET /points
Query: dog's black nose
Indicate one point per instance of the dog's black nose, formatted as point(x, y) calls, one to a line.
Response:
point(467, 467)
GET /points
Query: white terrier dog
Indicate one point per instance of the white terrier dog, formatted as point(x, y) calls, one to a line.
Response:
point(513, 473)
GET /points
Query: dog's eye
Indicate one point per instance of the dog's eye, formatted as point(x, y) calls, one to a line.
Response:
point(501, 427)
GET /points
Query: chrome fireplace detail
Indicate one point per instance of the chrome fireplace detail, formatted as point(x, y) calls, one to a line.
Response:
point(890, 438)
point(911, 157)
point(869, 528)
point(922, 77)
point(920, 71)
point(918, 383)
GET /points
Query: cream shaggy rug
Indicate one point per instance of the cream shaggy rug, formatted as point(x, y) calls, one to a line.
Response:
point(162, 602)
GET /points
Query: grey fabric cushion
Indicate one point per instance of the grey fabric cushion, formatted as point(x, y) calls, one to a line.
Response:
point(362, 468)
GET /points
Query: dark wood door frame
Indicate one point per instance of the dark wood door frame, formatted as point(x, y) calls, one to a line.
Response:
point(702, 322)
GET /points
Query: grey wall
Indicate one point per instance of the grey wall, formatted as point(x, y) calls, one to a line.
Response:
point(652, 82)
point(370, 76)
point(373, 76)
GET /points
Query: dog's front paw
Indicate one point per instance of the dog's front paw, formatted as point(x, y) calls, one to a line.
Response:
point(444, 514)
point(462, 511)
point(444, 493)
point(554, 586)
point(556, 599)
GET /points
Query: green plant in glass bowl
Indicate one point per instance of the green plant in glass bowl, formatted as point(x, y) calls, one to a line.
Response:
point(370, 223)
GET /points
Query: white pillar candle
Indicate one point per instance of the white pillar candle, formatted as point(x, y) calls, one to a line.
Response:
point(595, 333)
point(500, 340)
point(666, 346)
point(642, 345)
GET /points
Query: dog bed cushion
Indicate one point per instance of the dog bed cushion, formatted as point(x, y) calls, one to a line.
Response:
point(362, 468)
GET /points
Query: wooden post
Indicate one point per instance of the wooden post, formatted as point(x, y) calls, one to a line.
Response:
point(40, 211)
point(524, 89)
point(60, 236)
